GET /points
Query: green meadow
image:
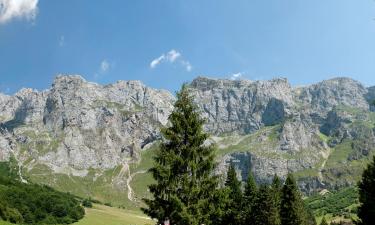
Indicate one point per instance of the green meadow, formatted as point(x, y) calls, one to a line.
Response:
point(104, 215)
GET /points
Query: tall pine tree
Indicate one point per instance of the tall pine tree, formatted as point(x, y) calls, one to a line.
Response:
point(233, 213)
point(366, 211)
point(249, 198)
point(292, 209)
point(266, 212)
point(276, 188)
point(183, 169)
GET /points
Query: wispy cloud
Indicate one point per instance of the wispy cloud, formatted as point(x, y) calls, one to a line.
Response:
point(62, 41)
point(236, 76)
point(104, 66)
point(11, 9)
point(157, 61)
point(172, 56)
point(187, 65)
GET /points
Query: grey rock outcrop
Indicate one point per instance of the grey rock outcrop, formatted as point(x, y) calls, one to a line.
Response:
point(242, 106)
point(77, 125)
point(89, 125)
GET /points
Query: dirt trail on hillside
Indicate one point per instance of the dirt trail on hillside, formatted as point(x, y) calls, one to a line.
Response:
point(128, 181)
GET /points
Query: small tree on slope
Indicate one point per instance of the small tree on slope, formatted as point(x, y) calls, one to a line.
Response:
point(185, 187)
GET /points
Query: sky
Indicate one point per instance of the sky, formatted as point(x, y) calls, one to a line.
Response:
point(164, 43)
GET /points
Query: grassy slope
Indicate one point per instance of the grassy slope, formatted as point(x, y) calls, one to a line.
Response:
point(102, 187)
point(339, 205)
point(339, 169)
point(104, 215)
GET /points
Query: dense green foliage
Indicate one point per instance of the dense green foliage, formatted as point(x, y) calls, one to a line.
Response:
point(338, 203)
point(87, 203)
point(324, 221)
point(185, 187)
point(266, 211)
point(366, 211)
point(34, 204)
point(292, 210)
point(234, 206)
point(250, 194)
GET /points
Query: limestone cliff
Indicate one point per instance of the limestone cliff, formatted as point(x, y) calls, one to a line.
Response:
point(323, 133)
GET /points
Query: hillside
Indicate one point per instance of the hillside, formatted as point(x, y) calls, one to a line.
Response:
point(22, 202)
point(94, 140)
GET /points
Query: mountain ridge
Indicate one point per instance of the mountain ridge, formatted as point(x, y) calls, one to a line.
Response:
point(80, 130)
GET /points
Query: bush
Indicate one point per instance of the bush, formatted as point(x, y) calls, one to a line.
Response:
point(14, 216)
point(87, 203)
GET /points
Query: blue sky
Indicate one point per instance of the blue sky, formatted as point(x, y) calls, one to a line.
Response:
point(167, 42)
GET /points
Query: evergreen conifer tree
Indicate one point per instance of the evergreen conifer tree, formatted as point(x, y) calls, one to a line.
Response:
point(266, 212)
point(233, 214)
point(250, 195)
point(292, 209)
point(366, 211)
point(276, 188)
point(184, 190)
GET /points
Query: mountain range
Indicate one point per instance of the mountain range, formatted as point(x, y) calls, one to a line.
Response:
point(98, 140)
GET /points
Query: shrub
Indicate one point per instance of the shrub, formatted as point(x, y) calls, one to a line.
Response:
point(87, 203)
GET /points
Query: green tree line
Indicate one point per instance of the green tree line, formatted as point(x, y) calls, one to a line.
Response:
point(35, 204)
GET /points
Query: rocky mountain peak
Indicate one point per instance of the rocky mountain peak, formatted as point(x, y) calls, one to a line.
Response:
point(77, 126)
point(205, 83)
point(63, 79)
point(320, 98)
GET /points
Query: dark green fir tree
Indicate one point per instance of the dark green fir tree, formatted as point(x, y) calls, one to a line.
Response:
point(233, 213)
point(366, 210)
point(185, 186)
point(249, 198)
point(266, 212)
point(276, 188)
point(292, 209)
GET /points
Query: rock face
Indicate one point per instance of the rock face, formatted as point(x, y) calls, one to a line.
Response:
point(269, 126)
point(311, 123)
point(87, 125)
point(242, 106)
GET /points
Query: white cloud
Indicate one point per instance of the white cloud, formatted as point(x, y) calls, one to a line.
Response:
point(11, 9)
point(62, 41)
point(157, 61)
point(187, 65)
point(236, 76)
point(104, 66)
point(172, 56)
